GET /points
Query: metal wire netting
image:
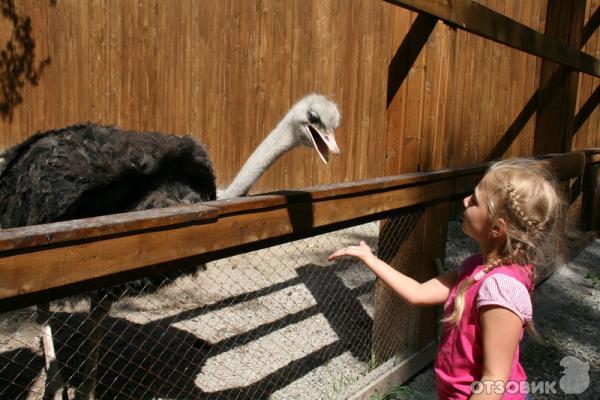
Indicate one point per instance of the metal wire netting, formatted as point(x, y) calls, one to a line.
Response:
point(278, 323)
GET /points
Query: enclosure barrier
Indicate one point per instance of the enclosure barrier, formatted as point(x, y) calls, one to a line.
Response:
point(266, 316)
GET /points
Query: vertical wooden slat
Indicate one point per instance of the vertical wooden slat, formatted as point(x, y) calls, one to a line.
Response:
point(524, 86)
point(396, 109)
point(431, 80)
point(502, 90)
point(507, 91)
point(478, 113)
point(486, 104)
point(514, 68)
point(459, 148)
point(469, 99)
point(118, 18)
point(557, 107)
point(414, 109)
point(590, 211)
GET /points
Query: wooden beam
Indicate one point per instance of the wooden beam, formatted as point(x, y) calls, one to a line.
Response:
point(592, 155)
point(482, 21)
point(105, 226)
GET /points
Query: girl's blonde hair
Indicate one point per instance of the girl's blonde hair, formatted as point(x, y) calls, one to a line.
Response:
point(523, 193)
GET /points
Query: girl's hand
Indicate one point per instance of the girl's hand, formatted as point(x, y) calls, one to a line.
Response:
point(362, 252)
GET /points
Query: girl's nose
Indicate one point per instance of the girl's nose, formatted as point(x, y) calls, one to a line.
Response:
point(466, 201)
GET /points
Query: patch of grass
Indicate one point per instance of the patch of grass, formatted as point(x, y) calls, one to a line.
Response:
point(372, 363)
point(338, 384)
point(399, 392)
point(594, 277)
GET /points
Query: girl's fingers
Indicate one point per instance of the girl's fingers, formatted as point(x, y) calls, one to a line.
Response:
point(352, 251)
point(339, 253)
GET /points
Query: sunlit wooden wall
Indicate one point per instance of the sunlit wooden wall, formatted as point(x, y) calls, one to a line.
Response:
point(226, 71)
point(463, 94)
point(587, 123)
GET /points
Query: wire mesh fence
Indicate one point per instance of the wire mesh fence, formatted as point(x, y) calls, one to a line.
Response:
point(278, 323)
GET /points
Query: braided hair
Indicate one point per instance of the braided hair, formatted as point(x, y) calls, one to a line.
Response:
point(523, 193)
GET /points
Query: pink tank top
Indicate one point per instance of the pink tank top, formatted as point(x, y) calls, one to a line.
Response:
point(459, 360)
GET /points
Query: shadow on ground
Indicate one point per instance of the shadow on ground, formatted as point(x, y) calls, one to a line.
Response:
point(158, 360)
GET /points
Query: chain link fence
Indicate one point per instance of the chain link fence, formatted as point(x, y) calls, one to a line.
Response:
point(280, 323)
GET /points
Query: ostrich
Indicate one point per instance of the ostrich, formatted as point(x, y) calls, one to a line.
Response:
point(90, 170)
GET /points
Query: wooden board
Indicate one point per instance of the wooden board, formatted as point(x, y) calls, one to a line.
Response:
point(482, 21)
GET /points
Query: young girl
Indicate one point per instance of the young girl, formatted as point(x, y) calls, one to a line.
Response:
point(487, 302)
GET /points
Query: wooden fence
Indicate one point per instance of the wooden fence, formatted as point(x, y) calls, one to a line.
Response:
point(417, 91)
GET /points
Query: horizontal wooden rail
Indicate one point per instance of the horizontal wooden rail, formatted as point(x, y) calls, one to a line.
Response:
point(480, 20)
point(37, 259)
point(108, 226)
point(592, 155)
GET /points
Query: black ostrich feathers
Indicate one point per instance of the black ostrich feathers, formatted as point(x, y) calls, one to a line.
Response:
point(90, 170)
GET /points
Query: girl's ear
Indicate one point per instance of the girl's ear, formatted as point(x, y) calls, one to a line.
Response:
point(499, 228)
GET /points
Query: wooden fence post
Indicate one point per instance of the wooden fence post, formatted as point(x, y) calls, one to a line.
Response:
point(590, 202)
point(434, 247)
point(410, 243)
point(394, 321)
point(557, 96)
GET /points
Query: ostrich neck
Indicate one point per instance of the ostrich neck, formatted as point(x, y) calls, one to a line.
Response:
point(278, 142)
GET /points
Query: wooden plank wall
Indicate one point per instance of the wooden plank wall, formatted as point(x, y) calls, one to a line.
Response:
point(465, 94)
point(226, 71)
point(587, 122)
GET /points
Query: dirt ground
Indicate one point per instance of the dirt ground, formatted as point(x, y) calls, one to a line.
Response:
point(279, 323)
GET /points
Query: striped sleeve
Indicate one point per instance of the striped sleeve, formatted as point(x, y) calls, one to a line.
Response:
point(505, 291)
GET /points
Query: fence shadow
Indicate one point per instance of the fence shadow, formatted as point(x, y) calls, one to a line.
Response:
point(18, 371)
point(158, 360)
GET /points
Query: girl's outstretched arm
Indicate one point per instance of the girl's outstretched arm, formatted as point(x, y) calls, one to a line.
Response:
point(434, 291)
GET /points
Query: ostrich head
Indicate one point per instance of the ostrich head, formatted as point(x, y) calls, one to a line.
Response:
point(313, 121)
point(310, 122)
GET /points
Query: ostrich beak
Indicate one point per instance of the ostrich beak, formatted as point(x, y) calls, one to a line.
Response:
point(323, 144)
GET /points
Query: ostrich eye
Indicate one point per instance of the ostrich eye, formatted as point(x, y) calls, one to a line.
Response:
point(313, 117)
